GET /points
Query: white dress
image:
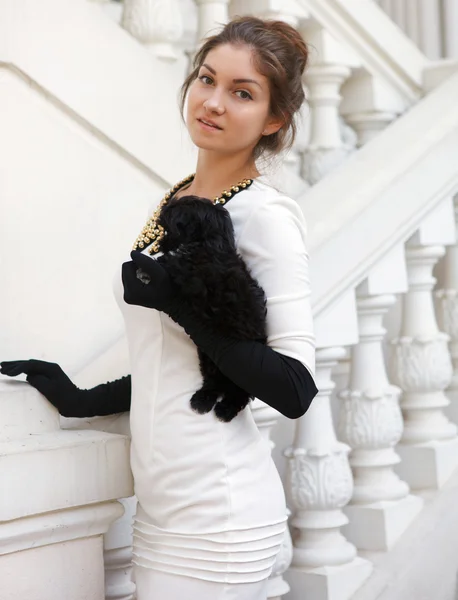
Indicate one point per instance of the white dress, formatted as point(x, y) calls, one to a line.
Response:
point(210, 500)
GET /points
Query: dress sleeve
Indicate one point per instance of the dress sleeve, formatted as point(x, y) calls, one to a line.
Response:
point(273, 245)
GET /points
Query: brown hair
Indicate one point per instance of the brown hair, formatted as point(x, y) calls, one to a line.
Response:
point(281, 55)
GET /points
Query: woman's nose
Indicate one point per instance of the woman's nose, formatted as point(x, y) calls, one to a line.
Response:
point(214, 103)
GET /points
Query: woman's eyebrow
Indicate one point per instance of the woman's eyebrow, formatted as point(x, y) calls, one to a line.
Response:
point(234, 80)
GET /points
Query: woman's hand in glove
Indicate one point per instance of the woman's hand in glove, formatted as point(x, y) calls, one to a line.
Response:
point(158, 293)
point(48, 378)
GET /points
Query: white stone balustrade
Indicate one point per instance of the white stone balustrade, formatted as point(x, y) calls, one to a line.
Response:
point(320, 485)
point(319, 480)
point(421, 364)
point(370, 421)
point(157, 24)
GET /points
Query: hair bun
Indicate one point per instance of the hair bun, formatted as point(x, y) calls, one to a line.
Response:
point(292, 37)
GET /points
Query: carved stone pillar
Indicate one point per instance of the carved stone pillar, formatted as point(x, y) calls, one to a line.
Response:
point(447, 305)
point(212, 15)
point(369, 105)
point(422, 368)
point(326, 149)
point(320, 485)
point(369, 125)
point(155, 23)
point(266, 418)
point(371, 423)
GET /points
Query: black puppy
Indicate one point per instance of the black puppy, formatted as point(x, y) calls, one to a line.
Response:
point(201, 258)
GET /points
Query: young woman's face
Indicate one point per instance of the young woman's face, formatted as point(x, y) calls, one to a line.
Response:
point(232, 98)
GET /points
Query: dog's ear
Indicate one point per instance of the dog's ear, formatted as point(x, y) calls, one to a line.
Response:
point(180, 223)
point(218, 228)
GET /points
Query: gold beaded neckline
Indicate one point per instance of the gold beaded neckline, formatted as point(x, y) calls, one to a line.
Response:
point(153, 233)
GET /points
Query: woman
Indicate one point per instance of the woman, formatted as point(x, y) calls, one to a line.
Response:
point(211, 509)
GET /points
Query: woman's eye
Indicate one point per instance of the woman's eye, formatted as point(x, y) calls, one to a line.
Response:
point(247, 95)
point(204, 77)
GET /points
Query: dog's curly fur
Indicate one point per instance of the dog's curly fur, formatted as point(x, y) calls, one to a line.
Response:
point(201, 258)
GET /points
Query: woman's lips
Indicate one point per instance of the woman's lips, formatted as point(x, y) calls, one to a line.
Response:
point(208, 127)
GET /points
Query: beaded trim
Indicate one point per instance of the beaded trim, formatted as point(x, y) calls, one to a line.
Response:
point(153, 233)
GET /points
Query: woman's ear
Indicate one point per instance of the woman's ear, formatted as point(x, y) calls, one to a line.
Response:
point(272, 126)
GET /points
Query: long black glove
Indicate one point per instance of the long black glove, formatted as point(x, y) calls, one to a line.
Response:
point(280, 381)
point(51, 381)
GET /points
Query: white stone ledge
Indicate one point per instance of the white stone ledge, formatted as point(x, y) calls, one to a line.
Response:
point(58, 526)
point(70, 570)
point(64, 469)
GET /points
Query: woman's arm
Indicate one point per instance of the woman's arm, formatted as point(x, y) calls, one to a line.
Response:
point(107, 398)
point(280, 381)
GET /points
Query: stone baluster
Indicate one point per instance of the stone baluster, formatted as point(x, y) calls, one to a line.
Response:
point(266, 418)
point(369, 105)
point(370, 421)
point(447, 301)
point(428, 18)
point(117, 545)
point(157, 24)
point(212, 15)
point(421, 364)
point(320, 485)
point(329, 68)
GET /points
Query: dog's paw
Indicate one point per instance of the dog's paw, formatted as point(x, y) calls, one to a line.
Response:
point(226, 411)
point(203, 401)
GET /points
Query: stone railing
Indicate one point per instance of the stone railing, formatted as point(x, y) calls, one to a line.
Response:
point(360, 456)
